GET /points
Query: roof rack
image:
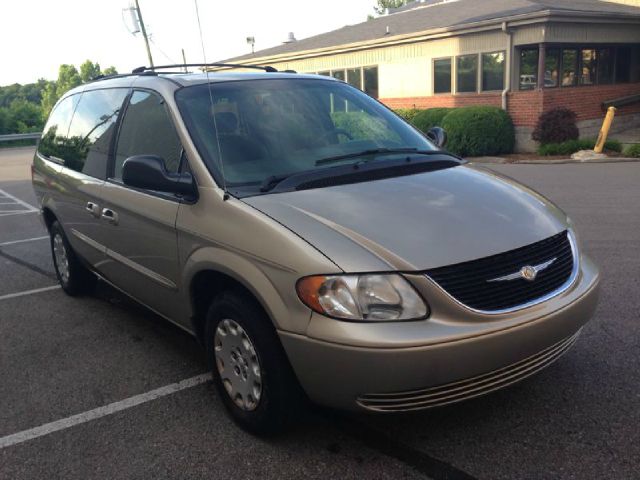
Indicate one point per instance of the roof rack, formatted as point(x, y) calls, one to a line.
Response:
point(140, 70)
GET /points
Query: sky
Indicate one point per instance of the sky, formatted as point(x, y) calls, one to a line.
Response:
point(37, 36)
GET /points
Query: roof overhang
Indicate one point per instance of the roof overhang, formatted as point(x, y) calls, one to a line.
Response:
point(515, 21)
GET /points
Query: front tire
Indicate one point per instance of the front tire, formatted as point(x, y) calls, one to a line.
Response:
point(250, 369)
point(75, 279)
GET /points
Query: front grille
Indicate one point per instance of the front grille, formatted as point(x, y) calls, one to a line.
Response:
point(464, 389)
point(473, 283)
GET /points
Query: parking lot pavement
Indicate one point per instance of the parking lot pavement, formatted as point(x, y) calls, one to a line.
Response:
point(62, 356)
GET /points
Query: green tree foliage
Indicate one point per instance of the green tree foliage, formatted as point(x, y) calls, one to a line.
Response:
point(89, 71)
point(25, 108)
point(382, 5)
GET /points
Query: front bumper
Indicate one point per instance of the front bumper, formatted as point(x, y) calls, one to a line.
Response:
point(454, 355)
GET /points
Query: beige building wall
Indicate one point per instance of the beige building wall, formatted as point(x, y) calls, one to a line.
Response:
point(406, 70)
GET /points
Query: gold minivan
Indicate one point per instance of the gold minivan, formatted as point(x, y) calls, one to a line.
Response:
point(315, 244)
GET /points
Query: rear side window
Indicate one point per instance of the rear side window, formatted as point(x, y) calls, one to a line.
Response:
point(54, 139)
point(91, 131)
point(147, 129)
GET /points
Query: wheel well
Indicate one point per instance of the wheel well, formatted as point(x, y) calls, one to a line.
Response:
point(48, 217)
point(204, 287)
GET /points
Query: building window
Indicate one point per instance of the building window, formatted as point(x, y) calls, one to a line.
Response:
point(569, 68)
point(325, 74)
point(588, 67)
point(339, 74)
point(552, 68)
point(605, 65)
point(371, 81)
point(492, 71)
point(467, 74)
point(528, 68)
point(623, 65)
point(442, 76)
point(354, 77)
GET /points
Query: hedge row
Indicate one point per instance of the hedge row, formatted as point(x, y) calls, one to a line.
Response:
point(572, 146)
point(472, 131)
point(633, 151)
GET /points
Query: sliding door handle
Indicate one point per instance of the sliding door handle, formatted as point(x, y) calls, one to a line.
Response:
point(93, 209)
point(110, 216)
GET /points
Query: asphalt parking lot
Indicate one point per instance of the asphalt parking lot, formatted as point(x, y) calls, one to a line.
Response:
point(61, 357)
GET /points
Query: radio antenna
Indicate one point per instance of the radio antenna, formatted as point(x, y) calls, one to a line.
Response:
point(213, 115)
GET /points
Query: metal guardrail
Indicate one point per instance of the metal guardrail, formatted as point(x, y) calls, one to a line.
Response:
point(20, 136)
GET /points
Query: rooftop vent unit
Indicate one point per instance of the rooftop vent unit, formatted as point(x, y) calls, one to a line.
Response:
point(290, 38)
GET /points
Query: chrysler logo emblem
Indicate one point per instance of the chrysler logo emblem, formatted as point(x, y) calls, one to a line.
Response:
point(529, 273)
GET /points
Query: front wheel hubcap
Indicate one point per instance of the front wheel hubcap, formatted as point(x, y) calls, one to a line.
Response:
point(61, 258)
point(238, 365)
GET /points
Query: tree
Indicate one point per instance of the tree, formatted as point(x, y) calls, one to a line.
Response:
point(68, 78)
point(382, 5)
point(89, 71)
point(110, 71)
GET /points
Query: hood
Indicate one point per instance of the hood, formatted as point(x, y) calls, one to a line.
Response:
point(416, 222)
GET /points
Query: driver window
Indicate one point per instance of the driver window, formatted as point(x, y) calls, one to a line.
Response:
point(147, 130)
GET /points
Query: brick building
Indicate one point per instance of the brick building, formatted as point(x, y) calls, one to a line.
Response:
point(526, 56)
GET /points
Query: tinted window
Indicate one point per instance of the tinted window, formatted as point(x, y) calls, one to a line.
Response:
point(528, 69)
point(339, 74)
point(569, 68)
point(605, 65)
point(354, 78)
point(54, 138)
point(147, 130)
point(623, 64)
point(588, 74)
point(493, 71)
point(442, 76)
point(468, 73)
point(371, 81)
point(551, 68)
point(91, 131)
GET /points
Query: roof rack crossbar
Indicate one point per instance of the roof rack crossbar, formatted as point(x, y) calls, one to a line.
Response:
point(187, 65)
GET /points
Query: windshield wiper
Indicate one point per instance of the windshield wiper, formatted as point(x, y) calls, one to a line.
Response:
point(374, 151)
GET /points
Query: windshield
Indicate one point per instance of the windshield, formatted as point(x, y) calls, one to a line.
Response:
point(275, 128)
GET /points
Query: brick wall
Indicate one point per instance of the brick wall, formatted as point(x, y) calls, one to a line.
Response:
point(436, 101)
point(587, 101)
point(525, 107)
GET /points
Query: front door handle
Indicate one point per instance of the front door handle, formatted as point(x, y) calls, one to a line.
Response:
point(93, 209)
point(110, 216)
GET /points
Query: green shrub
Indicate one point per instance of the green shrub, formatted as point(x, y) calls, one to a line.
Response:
point(478, 131)
point(408, 113)
point(633, 151)
point(425, 120)
point(572, 146)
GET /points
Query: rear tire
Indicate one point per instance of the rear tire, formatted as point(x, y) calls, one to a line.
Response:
point(75, 279)
point(250, 369)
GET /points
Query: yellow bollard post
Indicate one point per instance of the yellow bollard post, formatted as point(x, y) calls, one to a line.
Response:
point(604, 132)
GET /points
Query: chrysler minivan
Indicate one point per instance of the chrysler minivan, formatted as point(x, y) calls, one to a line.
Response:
point(314, 243)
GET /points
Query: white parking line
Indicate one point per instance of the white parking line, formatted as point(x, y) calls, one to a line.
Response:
point(15, 242)
point(30, 208)
point(28, 292)
point(100, 412)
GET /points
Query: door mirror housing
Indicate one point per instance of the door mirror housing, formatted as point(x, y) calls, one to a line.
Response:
point(438, 136)
point(149, 173)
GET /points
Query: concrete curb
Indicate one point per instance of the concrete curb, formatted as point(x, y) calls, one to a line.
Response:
point(561, 161)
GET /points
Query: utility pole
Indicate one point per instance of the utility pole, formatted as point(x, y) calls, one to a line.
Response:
point(144, 33)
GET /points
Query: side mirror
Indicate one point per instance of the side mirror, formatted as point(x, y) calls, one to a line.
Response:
point(149, 173)
point(438, 136)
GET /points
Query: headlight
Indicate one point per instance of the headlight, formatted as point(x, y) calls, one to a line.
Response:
point(362, 297)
